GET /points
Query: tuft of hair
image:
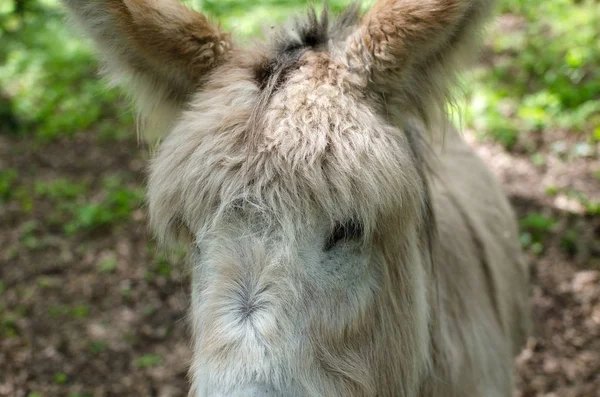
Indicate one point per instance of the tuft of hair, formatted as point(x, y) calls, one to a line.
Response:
point(315, 31)
point(310, 31)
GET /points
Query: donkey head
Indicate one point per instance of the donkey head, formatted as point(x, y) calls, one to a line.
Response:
point(295, 170)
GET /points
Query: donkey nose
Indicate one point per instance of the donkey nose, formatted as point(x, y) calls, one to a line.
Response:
point(252, 391)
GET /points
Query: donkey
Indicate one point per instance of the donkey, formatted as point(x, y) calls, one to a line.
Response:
point(344, 240)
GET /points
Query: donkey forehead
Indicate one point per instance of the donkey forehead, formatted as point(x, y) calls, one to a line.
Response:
point(314, 144)
point(302, 107)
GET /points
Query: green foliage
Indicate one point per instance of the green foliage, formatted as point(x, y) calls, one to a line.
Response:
point(118, 204)
point(569, 241)
point(591, 206)
point(8, 178)
point(148, 360)
point(8, 326)
point(48, 282)
point(50, 75)
point(108, 265)
point(247, 18)
point(162, 266)
point(545, 72)
point(60, 189)
point(28, 235)
point(537, 223)
point(75, 211)
point(164, 263)
point(98, 346)
point(534, 228)
point(60, 378)
point(80, 311)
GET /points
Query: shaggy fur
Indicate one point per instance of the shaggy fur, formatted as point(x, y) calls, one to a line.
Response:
point(341, 247)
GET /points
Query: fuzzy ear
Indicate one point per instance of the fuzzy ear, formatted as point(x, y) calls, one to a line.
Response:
point(159, 48)
point(410, 48)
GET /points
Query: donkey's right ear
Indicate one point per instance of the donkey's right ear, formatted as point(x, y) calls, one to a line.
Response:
point(410, 49)
point(161, 49)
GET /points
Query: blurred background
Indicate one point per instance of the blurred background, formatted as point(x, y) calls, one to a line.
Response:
point(90, 307)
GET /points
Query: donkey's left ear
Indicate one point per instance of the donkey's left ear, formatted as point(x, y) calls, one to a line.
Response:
point(160, 49)
point(409, 40)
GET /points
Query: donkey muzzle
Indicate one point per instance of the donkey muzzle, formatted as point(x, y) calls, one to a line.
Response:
point(251, 391)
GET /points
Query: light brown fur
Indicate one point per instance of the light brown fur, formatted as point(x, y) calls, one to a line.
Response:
point(282, 145)
point(159, 49)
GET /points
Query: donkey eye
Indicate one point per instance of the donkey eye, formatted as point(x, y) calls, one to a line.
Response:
point(346, 231)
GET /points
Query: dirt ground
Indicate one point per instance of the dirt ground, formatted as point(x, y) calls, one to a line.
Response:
point(71, 327)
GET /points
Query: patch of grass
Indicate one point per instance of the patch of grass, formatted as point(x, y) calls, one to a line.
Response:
point(28, 236)
point(552, 191)
point(534, 228)
point(48, 282)
point(537, 223)
point(149, 310)
point(98, 346)
point(8, 326)
point(58, 310)
point(162, 267)
point(8, 179)
point(108, 264)
point(591, 206)
point(125, 291)
point(25, 198)
point(80, 311)
point(569, 241)
point(131, 338)
point(65, 194)
point(108, 130)
point(61, 189)
point(32, 243)
point(164, 262)
point(148, 360)
point(538, 159)
point(116, 206)
point(544, 73)
point(60, 378)
point(75, 210)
